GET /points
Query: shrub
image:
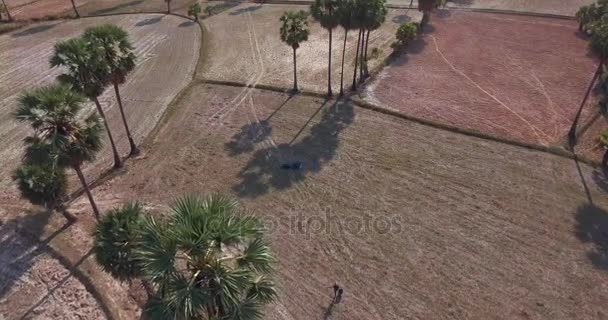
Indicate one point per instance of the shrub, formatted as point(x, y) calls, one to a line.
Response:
point(405, 34)
point(195, 10)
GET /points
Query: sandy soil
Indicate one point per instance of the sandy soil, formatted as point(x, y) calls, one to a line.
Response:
point(259, 56)
point(167, 48)
point(415, 222)
point(475, 71)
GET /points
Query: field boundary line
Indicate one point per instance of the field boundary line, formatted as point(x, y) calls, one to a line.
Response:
point(359, 102)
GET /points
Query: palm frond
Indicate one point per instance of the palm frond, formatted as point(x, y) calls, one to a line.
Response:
point(262, 290)
point(156, 251)
point(256, 256)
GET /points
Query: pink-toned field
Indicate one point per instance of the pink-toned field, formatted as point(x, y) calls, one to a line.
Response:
point(518, 77)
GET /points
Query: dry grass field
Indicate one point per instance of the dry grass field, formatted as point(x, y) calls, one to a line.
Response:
point(415, 222)
point(257, 55)
point(167, 48)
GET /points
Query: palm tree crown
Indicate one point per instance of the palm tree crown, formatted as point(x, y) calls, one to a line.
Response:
point(113, 42)
point(294, 29)
point(208, 260)
point(86, 69)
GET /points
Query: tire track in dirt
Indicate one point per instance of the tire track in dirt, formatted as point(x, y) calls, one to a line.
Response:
point(535, 130)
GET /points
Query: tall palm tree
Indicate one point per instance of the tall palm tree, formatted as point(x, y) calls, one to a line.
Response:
point(359, 12)
point(345, 13)
point(294, 31)
point(59, 136)
point(207, 261)
point(86, 72)
point(376, 16)
point(120, 59)
point(116, 237)
point(75, 10)
point(599, 45)
point(8, 13)
point(324, 12)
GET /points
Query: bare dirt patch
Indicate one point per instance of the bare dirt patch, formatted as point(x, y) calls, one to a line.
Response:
point(512, 76)
point(257, 55)
point(167, 48)
point(413, 221)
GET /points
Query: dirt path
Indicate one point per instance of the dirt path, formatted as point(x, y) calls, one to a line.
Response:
point(415, 222)
point(167, 48)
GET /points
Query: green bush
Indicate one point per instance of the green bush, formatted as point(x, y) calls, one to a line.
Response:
point(406, 33)
point(195, 10)
point(41, 184)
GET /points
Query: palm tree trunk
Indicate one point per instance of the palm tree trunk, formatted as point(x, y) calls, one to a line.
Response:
point(342, 69)
point(366, 47)
point(168, 6)
point(86, 190)
point(329, 93)
point(8, 14)
point(572, 132)
point(295, 72)
point(74, 7)
point(361, 56)
point(117, 162)
point(134, 150)
point(354, 86)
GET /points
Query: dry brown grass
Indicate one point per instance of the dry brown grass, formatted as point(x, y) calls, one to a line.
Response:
point(414, 222)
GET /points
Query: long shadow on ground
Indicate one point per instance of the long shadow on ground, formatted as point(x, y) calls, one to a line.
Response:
point(116, 7)
point(592, 227)
point(266, 168)
point(33, 30)
point(17, 251)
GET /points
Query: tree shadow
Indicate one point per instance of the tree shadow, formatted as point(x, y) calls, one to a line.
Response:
point(240, 11)
point(462, 2)
point(415, 47)
point(116, 7)
point(402, 18)
point(33, 30)
point(246, 139)
point(252, 134)
point(218, 8)
point(149, 21)
point(442, 13)
point(328, 311)
point(17, 248)
point(592, 227)
point(271, 166)
point(600, 177)
point(186, 24)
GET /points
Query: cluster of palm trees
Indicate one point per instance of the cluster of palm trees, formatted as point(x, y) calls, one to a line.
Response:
point(361, 15)
point(207, 260)
point(63, 135)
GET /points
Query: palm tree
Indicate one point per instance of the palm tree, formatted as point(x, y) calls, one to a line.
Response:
point(168, 6)
point(374, 19)
point(8, 14)
point(346, 19)
point(60, 138)
point(207, 261)
point(427, 6)
point(294, 31)
point(599, 45)
point(116, 236)
point(87, 73)
point(359, 13)
point(324, 12)
point(74, 7)
point(119, 57)
point(43, 184)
